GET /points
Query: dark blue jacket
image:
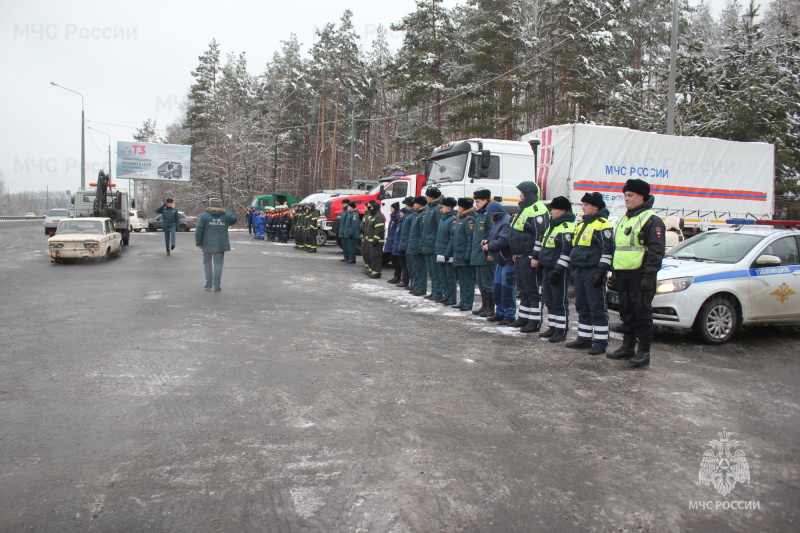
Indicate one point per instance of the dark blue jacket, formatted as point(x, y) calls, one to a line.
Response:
point(398, 232)
point(499, 244)
point(557, 257)
point(391, 234)
point(212, 230)
point(597, 253)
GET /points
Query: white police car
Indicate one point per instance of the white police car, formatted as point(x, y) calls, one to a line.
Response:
point(719, 280)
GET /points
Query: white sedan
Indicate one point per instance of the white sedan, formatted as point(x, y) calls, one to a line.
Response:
point(720, 280)
point(77, 238)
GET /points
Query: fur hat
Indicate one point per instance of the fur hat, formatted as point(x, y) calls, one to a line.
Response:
point(168, 201)
point(215, 202)
point(637, 186)
point(561, 202)
point(433, 192)
point(449, 202)
point(373, 204)
point(466, 203)
point(421, 200)
point(352, 205)
point(409, 201)
point(594, 198)
point(482, 194)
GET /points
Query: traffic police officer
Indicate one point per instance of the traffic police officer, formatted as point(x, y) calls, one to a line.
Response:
point(554, 259)
point(639, 246)
point(590, 261)
point(527, 227)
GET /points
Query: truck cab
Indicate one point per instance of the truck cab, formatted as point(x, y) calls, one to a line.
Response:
point(458, 168)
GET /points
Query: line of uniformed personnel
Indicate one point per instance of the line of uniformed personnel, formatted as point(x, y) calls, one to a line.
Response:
point(274, 224)
point(460, 244)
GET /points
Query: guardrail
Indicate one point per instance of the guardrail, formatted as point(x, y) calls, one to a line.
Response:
point(21, 218)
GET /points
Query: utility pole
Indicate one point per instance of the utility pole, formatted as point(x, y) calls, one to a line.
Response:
point(673, 60)
point(352, 143)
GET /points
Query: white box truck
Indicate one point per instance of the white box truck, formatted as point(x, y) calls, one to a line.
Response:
point(701, 180)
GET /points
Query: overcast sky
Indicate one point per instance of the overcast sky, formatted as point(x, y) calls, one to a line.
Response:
point(133, 61)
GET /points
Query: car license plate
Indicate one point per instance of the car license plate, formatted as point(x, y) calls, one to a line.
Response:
point(613, 298)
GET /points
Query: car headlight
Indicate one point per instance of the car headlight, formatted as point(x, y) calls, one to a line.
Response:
point(56, 245)
point(91, 244)
point(673, 285)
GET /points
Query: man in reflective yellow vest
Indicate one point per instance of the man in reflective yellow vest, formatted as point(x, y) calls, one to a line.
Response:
point(639, 246)
point(554, 260)
point(590, 261)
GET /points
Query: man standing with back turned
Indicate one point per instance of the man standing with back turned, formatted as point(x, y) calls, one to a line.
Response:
point(212, 237)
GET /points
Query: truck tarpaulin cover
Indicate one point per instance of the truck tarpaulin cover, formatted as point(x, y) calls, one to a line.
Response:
point(686, 173)
point(149, 161)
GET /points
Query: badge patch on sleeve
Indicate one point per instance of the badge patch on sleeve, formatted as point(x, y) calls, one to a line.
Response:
point(607, 233)
point(539, 219)
point(659, 233)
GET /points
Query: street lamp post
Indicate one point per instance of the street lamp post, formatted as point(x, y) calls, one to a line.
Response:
point(109, 148)
point(83, 140)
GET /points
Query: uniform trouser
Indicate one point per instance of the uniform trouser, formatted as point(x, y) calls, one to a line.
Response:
point(282, 233)
point(590, 303)
point(433, 273)
point(448, 284)
point(312, 239)
point(250, 228)
point(530, 301)
point(484, 277)
point(366, 254)
point(169, 237)
point(404, 273)
point(213, 273)
point(375, 257)
point(259, 231)
point(635, 312)
point(420, 273)
point(505, 299)
point(555, 299)
point(349, 247)
point(412, 270)
point(466, 282)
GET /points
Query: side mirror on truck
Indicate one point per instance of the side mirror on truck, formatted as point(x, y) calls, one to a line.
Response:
point(381, 194)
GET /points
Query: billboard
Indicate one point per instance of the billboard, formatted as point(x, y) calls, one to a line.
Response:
point(151, 161)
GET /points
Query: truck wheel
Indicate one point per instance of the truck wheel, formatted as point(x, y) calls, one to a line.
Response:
point(137, 230)
point(184, 228)
point(717, 320)
point(322, 238)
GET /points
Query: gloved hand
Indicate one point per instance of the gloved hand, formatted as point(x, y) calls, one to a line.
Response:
point(648, 287)
point(612, 282)
point(556, 277)
point(598, 279)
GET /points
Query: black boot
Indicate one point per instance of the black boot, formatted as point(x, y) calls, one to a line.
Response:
point(482, 308)
point(518, 323)
point(626, 351)
point(531, 327)
point(642, 357)
point(489, 311)
point(547, 334)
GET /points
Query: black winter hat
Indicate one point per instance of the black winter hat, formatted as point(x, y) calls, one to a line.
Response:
point(374, 204)
point(482, 194)
point(168, 201)
point(561, 202)
point(466, 203)
point(421, 200)
point(449, 202)
point(594, 198)
point(396, 206)
point(637, 186)
point(345, 202)
point(409, 201)
point(433, 192)
point(353, 205)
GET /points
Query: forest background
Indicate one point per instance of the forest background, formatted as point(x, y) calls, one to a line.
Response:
point(488, 68)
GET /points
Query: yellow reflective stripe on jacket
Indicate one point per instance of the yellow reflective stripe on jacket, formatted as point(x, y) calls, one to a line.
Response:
point(584, 232)
point(628, 248)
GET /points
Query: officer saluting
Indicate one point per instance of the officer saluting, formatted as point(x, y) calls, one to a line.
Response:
point(639, 246)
